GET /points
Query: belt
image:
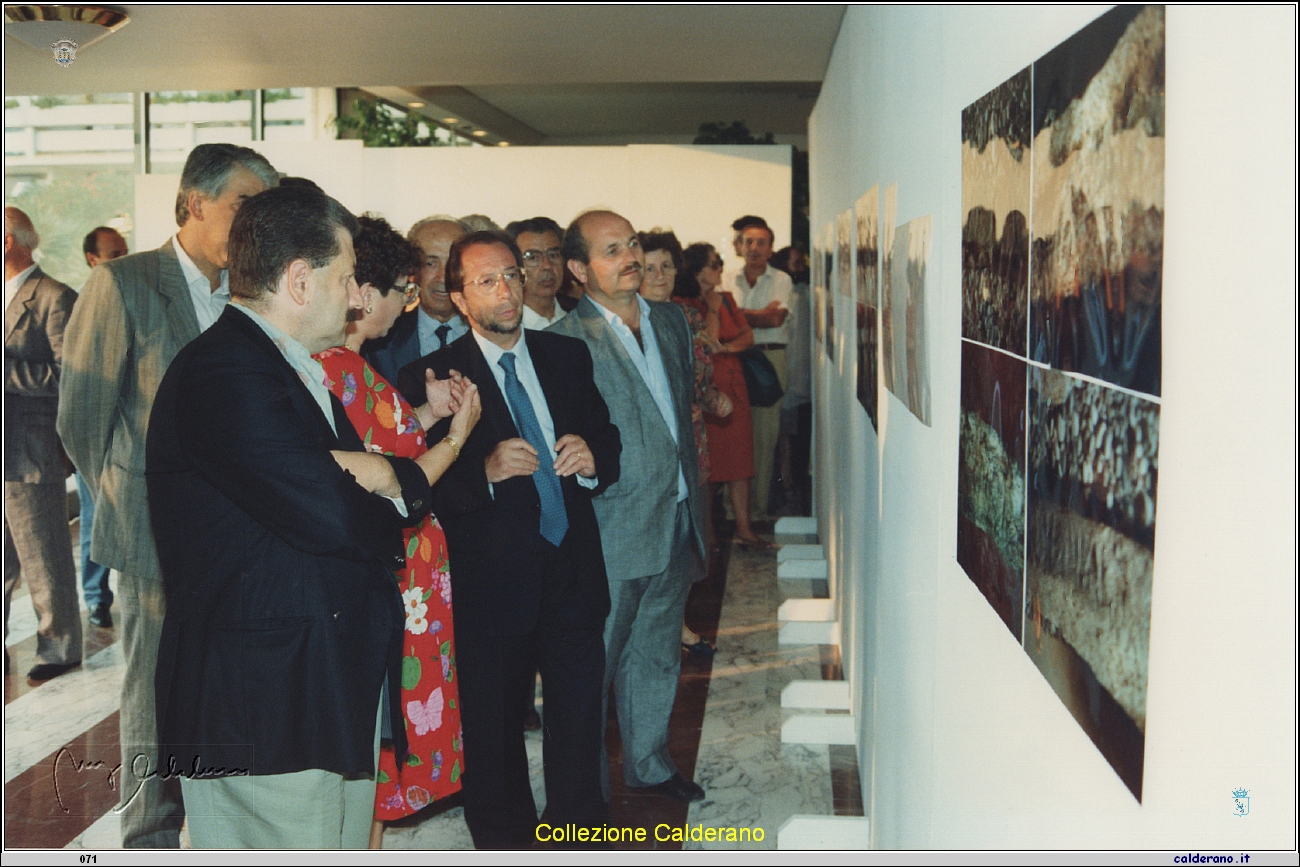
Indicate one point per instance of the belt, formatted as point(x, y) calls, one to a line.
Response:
point(769, 346)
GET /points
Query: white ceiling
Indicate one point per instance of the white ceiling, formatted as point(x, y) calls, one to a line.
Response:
point(566, 72)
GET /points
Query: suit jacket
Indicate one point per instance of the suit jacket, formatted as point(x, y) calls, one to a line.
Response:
point(396, 349)
point(282, 612)
point(134, 315)
point(34, 327)
point(638, 514)
point(494, 537)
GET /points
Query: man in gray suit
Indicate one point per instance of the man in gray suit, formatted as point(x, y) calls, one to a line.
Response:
point(651, 520)
point(37, 542)
point(134, 315)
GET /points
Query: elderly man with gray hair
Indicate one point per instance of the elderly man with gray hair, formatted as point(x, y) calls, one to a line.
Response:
point(37, 543)
point(134, 315)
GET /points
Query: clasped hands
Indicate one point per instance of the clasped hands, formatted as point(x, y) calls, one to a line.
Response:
point(517, 457)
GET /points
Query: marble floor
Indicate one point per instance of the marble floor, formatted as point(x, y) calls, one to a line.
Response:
point(61, 736)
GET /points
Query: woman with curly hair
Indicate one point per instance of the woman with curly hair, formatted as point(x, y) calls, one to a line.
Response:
point(387, 424)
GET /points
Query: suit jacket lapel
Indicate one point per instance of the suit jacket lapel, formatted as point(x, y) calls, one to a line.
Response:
point(495, 409)
point(24, 298)
point(175, 291)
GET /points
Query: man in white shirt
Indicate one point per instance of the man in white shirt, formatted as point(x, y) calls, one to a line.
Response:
point(539, 240)
point(135, 313)
point(435, 322)
point(764, 294)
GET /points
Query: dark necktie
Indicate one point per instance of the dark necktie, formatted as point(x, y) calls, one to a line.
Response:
point(442, 331)
point(555, 521)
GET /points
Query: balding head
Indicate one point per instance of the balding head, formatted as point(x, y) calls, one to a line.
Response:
point(434, 236)
point(20, 240)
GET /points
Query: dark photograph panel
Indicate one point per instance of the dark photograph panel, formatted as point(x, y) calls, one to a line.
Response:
point(991, 479)
point(828, 254)
point(867, 213)
point(1098, 213)
point(995, 194)
point(1090, 548)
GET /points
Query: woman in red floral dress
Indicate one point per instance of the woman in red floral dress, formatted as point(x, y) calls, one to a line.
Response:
point(387, 424)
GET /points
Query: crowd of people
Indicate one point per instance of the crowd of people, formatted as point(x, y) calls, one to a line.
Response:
point(300, 435)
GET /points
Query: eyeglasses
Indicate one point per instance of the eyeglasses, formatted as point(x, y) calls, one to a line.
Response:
point(533, 258)
point(513, 278)
point(410, 291)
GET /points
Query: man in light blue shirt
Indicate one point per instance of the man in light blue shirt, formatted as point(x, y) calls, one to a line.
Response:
point(651, 520)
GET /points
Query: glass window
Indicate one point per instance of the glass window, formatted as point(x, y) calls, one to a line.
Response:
point(69, 165)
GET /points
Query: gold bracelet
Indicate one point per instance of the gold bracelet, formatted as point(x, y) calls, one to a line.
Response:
point(455, 446)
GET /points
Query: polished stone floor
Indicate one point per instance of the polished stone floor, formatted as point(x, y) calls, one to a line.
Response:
point(61, 736)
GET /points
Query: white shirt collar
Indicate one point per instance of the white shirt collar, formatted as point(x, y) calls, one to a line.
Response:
point(16, 282)
point(493, 353)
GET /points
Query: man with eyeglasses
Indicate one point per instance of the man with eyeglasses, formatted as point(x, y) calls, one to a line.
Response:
point(528, 573)
point(435, 323)
point(539, 241)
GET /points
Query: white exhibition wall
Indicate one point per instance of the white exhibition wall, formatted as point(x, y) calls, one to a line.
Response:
point(697, 190)
point(962, 743)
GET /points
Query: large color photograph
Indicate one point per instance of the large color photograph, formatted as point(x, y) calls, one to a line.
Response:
point(1099, 193)
point(889, 206)
point(1090, 546)
point(995, 193)
point(991, 479)
point(867, 212)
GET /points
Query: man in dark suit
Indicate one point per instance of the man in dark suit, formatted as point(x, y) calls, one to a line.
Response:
point(434, 323)
point(527, 571)
point(37, 543)
point(283, 617)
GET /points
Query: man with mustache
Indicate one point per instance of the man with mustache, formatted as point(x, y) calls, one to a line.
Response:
point(527, 574)
point(539, 241)
point(435, 322)
point(651, 521)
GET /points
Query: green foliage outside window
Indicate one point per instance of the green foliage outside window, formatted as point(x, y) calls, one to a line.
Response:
point(379, 126)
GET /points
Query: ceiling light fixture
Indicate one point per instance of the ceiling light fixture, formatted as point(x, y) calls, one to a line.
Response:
point(451, 120)
point(39, 27)
point(415, 104)
point(503, 144)
point(479, 133)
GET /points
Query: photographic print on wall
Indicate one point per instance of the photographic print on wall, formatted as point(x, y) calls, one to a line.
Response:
point(991, 479)
point(867, 213)
point(995, 193)
point(844, 252)
point(1099, 200)
point(828, 262)
point(817, 267)
point(889, 205)
point(1091, 410)
point(1090, 548)
point(905, 293)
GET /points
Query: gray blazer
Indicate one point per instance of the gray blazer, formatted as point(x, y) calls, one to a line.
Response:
point(638, 512)
point(34, 324)
point(134, 315)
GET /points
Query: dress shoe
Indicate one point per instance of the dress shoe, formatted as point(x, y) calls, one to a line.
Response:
point(700, 648)
point(676, 787)
point(101, 617)
point(50, 670)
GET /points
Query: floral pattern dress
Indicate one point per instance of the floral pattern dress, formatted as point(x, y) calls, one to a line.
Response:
point(430, 700)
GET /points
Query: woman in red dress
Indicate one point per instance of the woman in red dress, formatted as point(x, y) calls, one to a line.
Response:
point(388, 425)
point(730, 439)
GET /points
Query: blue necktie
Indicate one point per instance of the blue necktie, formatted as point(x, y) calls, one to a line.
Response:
point(555, 521)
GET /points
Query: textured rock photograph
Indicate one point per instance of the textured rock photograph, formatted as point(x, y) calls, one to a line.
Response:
point(995, 194)
point(844, 252)
point(828, 260)
point(1098, 200)
point(906, 301)
point(991, 479)
point(1089, 553)
point(888, 209)
point(867, 226)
